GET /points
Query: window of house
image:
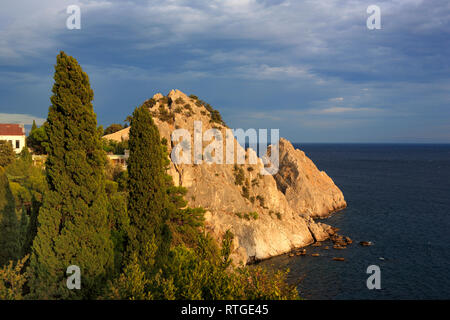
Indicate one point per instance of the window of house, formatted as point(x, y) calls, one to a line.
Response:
point(17, 144)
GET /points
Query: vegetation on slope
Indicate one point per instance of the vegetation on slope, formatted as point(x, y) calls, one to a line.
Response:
point(131, 232)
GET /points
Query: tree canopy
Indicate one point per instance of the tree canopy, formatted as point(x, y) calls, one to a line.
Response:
point(7, 154)
point(73, 218)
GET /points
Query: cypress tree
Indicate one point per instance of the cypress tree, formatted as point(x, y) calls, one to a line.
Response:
point(32, 226)
point(72, 221)
point(34, 126)
point(148, 199)
point(23, 228)
point(9, 224)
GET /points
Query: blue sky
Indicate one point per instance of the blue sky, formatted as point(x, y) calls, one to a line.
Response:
point(310, 68)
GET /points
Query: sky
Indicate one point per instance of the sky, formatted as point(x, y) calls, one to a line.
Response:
point(309, 68)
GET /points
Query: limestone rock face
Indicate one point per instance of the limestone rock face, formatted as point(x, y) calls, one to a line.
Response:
point(269, 215)
point(308, 190)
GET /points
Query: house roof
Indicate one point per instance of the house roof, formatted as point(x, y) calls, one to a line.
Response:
point(11, 130)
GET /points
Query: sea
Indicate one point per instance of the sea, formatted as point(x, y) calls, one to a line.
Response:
point(398, 197)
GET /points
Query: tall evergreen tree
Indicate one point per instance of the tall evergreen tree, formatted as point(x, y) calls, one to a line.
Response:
point(34, 126)
point(72, 221)
point(9, 224)
point(148, 201)
point(32, 226)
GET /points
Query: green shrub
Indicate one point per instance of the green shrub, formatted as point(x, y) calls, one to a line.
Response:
point(22, 195)
point(216, 117)
point(164, 100)
point(148, 104)
point(111, 187)
point(122, 180)
point(254, 215)
point(261, 200)
point(179, 101)
point(37, 140)
point(239, 175)
point(246, 189)
point(245, 192)
point(114, 147)
point(262, 284)
point(13, 279)
point(165, 115)
point(7, 154)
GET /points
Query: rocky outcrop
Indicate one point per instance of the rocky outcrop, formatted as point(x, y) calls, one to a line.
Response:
point(119, 135)
point(307, 189)
point(269, 215)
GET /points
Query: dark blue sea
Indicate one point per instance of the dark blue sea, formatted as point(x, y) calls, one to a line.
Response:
point(398, 197)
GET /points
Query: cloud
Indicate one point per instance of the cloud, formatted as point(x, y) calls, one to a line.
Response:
point(26, 119)
point(311, 115)
point(266, 72)
point(312, 60)
point(338, 110)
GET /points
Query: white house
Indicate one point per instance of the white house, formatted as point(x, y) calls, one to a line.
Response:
point(15, 134)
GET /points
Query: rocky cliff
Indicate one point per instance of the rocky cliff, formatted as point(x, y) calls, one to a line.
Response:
point(269, 215)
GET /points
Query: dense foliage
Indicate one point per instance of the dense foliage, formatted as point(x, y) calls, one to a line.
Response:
point(114, 147)
point(72, 221)
point(214, 114)
point(148, 199)
point(12, 280)
point(9, 223)
point(37, 139)
point(7, 154)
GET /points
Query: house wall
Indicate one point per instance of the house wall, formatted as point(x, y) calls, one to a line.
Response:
point(13, 139)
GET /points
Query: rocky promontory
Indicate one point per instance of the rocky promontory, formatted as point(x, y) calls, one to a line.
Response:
point(268, 214)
